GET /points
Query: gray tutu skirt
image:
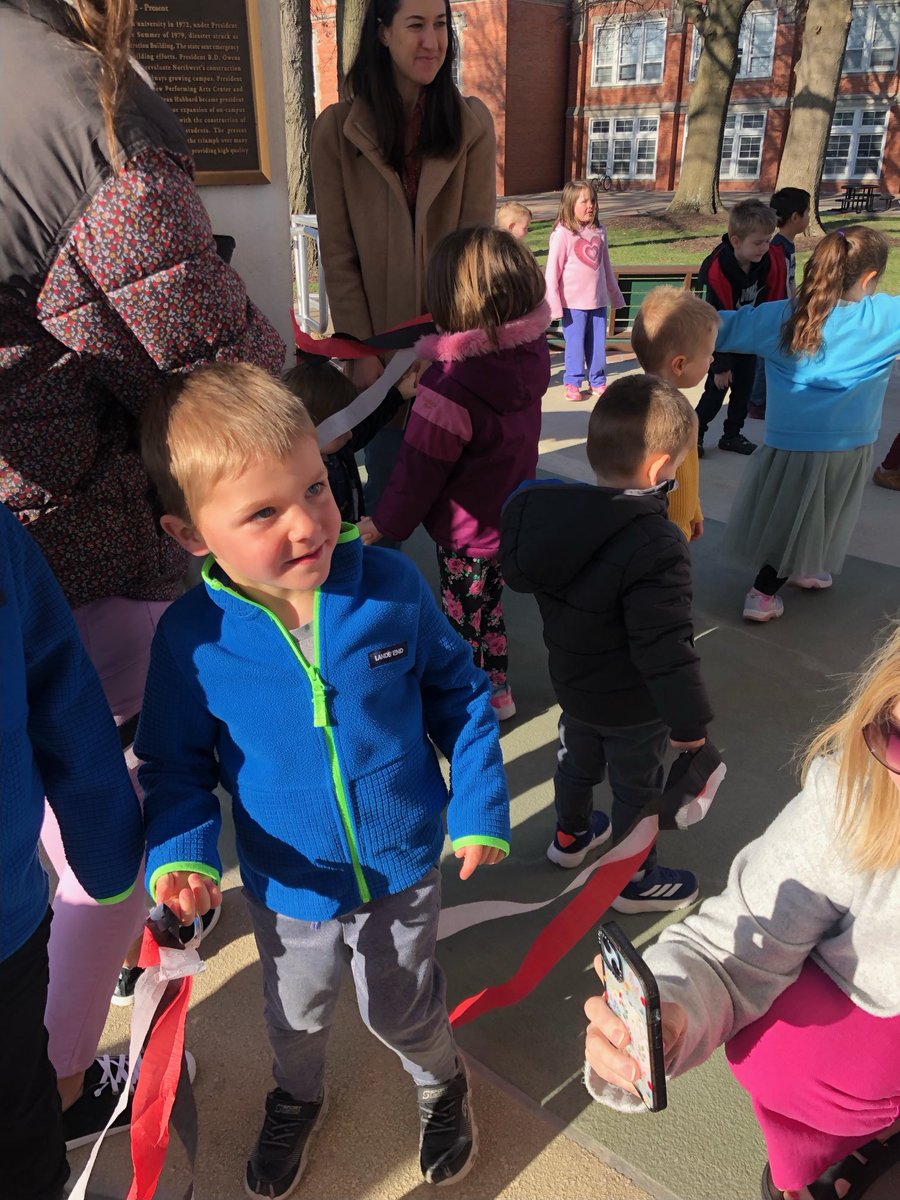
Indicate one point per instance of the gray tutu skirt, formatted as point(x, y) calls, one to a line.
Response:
point(796, 509)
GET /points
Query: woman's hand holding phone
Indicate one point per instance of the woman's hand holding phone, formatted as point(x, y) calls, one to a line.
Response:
point(606, 1044)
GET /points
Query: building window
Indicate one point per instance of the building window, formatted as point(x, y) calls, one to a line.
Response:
point(742, 145)
point(855, 144)
point(874, 38)
point(624, 147)
point(756, 46)
point(460, 20)
point(629, 52)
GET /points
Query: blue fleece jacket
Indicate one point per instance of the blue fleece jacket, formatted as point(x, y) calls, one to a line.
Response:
point(831, 400)
point(336, 790)
point(57, 738)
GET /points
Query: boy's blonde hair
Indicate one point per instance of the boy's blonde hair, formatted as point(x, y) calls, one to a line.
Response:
point(637, 416)
point(511, 212)
point(570, 193)
point(481, 278)
point(323, 387)
point(868, 800)
point(751, 216)
point(670, 321)
point(211, 425)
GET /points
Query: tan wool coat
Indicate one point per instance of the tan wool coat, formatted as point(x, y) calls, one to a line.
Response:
point(374, 252)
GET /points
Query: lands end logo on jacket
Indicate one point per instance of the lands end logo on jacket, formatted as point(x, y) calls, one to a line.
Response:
point(388, 654)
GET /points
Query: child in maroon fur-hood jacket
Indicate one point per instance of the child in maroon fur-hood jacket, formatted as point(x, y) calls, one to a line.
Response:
point(473, 433)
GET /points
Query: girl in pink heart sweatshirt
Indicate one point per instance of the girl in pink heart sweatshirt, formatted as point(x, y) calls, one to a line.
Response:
point(581, 284)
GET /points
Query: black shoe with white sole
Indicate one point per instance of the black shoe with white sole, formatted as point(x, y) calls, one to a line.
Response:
point(282, 1148)
point(447, 1137)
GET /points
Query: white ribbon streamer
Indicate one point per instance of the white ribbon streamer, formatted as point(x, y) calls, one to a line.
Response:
point(464, 916)
point(366, 402)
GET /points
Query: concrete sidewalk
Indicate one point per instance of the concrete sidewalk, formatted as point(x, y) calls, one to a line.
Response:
point(540, 1134)
point(545, 205)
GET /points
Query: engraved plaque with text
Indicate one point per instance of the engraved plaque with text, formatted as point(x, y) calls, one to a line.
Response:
point(204, 59)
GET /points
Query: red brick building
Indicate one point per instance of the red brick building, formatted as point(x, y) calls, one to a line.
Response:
point(610, 93)
point(631, 79)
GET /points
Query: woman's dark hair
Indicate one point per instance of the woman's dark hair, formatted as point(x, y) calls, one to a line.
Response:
point(839, 260)
point(372, 79)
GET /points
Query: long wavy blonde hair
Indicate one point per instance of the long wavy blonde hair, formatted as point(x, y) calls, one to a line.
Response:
point(868, 798)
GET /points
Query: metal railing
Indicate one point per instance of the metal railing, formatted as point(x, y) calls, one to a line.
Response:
point(310, 306)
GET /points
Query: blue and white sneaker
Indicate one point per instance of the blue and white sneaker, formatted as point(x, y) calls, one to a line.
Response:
point(570, 849)
point(662, 889)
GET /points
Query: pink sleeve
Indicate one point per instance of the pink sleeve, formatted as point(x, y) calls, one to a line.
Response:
point(556, 260)
point(436, 435)
point(616, 299)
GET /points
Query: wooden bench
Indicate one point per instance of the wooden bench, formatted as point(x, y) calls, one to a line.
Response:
point(634, 283)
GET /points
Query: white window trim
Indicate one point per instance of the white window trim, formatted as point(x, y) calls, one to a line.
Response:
point(733, 162)
point(610, 137)
point(854, 132)
point(745, 44)
point(617, 27)
point(870, 7)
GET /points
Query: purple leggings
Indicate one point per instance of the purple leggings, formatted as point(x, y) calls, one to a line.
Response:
point(89, 940)
point(585, 334)
point(824, 1076)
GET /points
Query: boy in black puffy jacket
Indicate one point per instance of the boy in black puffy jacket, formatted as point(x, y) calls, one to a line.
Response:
point(612, 578)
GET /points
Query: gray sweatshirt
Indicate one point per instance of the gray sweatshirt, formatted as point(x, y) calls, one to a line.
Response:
point(793, 893)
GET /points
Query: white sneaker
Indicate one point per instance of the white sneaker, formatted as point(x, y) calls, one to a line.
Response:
point(760, 607)
point(812, 583)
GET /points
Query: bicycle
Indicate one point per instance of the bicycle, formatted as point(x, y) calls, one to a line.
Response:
point(600, 183)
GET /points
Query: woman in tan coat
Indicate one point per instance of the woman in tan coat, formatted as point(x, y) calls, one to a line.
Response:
point(402, 161)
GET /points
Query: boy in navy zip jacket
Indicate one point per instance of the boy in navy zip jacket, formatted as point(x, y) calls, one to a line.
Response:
point(313, 680)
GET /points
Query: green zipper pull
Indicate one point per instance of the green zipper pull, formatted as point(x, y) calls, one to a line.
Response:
point(320, 700)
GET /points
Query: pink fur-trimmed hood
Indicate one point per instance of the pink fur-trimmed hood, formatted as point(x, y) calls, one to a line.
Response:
point(474, 343)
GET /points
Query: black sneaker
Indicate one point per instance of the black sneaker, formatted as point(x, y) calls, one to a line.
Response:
point(123, 994)
point(282, 1148)
point(103, 1082)
point(736, 442)
point(448, 1140)
point(700, 450)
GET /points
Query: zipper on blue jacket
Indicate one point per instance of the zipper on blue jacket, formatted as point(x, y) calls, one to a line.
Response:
point(321, 716)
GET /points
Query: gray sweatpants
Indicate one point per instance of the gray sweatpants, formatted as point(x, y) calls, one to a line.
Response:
point(389, 945)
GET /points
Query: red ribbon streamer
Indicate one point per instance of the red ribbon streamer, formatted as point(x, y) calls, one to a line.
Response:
point(154, 1096)
point(555, 941)
point(345, 345)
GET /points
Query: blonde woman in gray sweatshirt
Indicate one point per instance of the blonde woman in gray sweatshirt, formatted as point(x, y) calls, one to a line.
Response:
point(795, 968)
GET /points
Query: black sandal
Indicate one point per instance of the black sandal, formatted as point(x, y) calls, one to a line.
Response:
point(878, 1157)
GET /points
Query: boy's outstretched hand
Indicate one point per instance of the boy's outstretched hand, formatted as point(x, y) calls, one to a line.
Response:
point(478, 856)
point(188, 894)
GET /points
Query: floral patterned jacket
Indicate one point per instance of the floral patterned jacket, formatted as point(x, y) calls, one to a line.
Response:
point(109, 282)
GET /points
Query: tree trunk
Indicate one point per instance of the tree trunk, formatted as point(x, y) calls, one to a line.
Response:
point(719, 25)
point(349, 22)
point(818, 74)
point(299, 99)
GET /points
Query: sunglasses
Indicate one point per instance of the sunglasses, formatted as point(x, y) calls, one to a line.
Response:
point(882, 736)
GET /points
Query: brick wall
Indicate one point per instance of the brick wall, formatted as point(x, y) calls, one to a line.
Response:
point(537, 85)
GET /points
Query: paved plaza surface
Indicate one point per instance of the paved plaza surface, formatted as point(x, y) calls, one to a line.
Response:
point(540, 1134)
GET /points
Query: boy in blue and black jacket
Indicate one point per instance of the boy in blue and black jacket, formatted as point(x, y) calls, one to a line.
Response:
point(313, 680)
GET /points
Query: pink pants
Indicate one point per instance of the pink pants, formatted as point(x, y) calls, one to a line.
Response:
point(824, 1076)
point(88, 940)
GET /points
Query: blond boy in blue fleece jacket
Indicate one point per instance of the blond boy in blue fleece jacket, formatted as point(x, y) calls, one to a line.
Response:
point(313, 679)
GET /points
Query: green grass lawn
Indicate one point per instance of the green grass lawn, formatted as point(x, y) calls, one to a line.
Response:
point(660, 240)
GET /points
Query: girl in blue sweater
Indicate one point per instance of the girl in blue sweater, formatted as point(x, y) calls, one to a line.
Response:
point(829, 356)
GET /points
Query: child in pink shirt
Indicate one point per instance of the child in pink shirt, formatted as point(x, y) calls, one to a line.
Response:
point(581, 284)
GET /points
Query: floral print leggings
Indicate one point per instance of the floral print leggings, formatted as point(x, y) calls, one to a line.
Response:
point(472, 598)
